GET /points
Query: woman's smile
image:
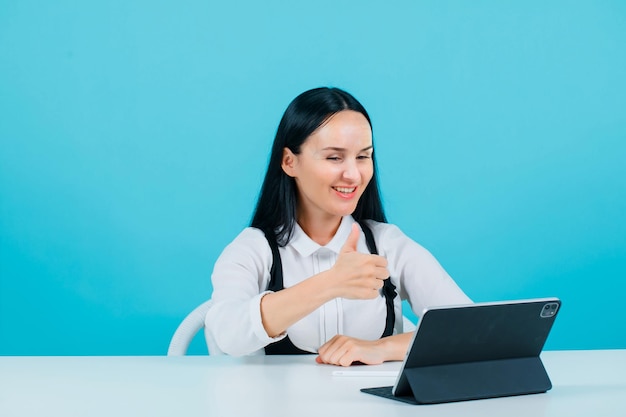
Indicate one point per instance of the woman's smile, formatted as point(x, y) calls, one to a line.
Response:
point(345, 192)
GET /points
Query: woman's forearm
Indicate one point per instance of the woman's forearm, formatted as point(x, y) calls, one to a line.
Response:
point(281, 309)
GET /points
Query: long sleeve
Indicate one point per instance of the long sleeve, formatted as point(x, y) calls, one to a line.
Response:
point(239, 279)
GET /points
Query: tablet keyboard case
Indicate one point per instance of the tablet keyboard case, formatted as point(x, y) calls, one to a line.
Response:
point(475, 353)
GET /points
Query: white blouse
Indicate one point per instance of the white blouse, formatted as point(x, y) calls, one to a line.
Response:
point(242, 273)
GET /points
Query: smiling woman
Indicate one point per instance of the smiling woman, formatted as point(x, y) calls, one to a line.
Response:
point(320, 270)
point(331, 171)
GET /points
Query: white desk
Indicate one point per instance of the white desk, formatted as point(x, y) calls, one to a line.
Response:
point(585, 383)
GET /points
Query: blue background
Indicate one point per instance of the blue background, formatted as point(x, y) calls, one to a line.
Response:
point(134, 136)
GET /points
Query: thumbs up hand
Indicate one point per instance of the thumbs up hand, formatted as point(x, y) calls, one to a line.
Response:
point(357, 275)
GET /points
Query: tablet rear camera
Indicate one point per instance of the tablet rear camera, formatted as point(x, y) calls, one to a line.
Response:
point(549, 309)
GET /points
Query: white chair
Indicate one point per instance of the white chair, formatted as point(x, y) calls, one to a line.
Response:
point(191, 325)
point(187, 330)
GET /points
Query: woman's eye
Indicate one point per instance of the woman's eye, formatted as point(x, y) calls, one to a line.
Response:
point(333, 158)
point(363, 157)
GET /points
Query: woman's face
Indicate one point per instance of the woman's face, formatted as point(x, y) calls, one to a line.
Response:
point(333, 168)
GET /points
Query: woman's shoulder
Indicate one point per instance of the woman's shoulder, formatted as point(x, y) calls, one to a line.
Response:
point(245, 261)
point(389, 235)
point(250, 241)
point(380, 229)
point(250, 234)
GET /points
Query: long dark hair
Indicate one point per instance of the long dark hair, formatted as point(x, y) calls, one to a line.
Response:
point(275, 210)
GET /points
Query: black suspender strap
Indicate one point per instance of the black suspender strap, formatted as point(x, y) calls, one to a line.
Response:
point(389, 290)
point(276, 272)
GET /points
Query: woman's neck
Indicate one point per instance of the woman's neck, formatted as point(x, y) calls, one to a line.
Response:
point(320, 230)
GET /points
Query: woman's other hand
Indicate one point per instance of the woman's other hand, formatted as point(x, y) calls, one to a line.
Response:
point(345, 351)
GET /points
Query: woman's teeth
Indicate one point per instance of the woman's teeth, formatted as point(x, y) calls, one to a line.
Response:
point(345, 190)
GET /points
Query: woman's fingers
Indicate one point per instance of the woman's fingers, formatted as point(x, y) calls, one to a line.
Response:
point(358, 275)
point(344, 351)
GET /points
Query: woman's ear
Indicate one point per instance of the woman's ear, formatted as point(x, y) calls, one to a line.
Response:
point(289, 162)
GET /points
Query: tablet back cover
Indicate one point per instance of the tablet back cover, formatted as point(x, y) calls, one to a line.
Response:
point(479, 351)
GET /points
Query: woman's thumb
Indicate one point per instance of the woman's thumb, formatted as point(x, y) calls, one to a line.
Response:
point(353, 239)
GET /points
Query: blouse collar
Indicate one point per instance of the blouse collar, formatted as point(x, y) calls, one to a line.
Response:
point(305, 246)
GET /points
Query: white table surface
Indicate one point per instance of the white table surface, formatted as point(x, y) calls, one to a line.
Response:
point(585, 383)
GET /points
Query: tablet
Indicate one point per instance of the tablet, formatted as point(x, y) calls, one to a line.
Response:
point(476, 351)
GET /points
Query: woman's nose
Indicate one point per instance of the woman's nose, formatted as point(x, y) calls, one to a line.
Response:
point(351, 171)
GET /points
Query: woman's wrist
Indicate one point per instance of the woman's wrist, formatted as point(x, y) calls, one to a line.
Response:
point(396, 346)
